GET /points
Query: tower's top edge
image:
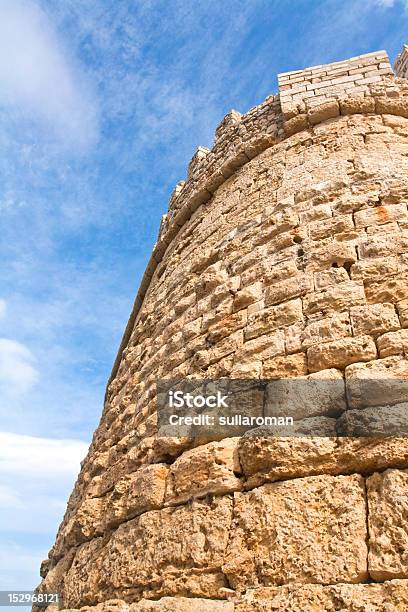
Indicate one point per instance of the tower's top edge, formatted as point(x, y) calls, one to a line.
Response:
point(401, 63)
point(357, 59)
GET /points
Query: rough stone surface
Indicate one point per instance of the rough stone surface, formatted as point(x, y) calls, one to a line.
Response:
point(284, 254)
point(306, 530)
point(387, 519)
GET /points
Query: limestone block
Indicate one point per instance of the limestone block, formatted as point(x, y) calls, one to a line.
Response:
point(285, 366)
point(383, 245)
point(174, 551)
point(374, 269)
point(341, 353)
point(380, 214)
point(336, 252)
point(353, 105)
point(210, 468)
point(373, 319)
point(378, 383)
point(139, 492)
point(387, 521)
point(248, 295)
point(262, 347)
point(391, 106)
point(328, 328)
point(225, 327)
point(375, 422)
point(392, 289)
point(338, 297)
point(393, 343)
point(329, 227)
point(226, 346)
point(213, 276)
point(274, 458)
point(391, 596)
point(281, 271)
point(368, 454)
point(402, 308)
point(86, 523)
point(304, 530)
point(296, 124)
point(319, 394)
point(333, 276)
point(316, 213)
point(288, 289)
point(250, 368)
point(81, 583)
point(265, 321)
point(323, 111)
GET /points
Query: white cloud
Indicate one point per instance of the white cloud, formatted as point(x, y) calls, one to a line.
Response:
point(38, 78)
point(33, 457)
point(17, 370)
point(36, 477)
point(36, 473)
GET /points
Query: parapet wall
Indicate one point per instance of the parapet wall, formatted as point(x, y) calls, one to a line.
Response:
point(401, 63)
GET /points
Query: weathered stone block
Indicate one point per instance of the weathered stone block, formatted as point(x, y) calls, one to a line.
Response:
point(373, 319)
point(380, 214)
point(265, 457)
point(285, 366)
point(318, 598)
point(141, 491)
point(338, 297)
point(392, 289)
point(329, 227)
point(226, 326)
point(393, 343)
point(248, 295)
point(265, 321)
point(351, 105)
point(327, 278)
point(174, 551)
point(288, 289)
point(323, 111)
point(402, 308)
point(319, 394)
point(387, 522)
point(378, 383)
point(305, 530)
point(211, 468)
point(325, 329)
point(374, 269)
point(341, 353)
point(262, 347)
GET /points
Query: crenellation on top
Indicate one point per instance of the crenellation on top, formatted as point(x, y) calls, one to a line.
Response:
point(327, 82)
point(230, 119)
point(196, 161)
point(401, 63)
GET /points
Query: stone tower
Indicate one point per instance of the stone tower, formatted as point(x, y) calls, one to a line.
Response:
point(284, 254)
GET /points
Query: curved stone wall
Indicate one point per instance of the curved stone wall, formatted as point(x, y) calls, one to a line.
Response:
point(285, 254)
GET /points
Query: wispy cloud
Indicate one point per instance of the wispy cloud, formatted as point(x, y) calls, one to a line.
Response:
point(30, 457)
point(36, 475)
point(38, 79)
point(17, 371)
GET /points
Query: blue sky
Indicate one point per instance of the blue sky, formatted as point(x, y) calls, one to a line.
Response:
point(102, 104)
